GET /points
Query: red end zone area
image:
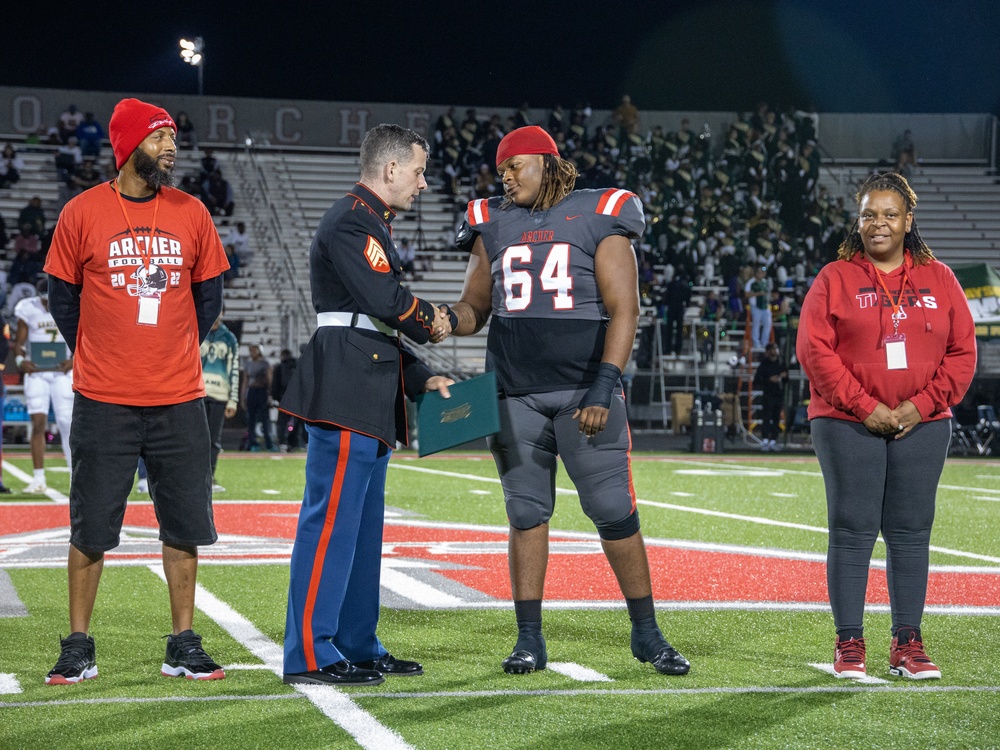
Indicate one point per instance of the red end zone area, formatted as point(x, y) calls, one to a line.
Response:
point(477, 559)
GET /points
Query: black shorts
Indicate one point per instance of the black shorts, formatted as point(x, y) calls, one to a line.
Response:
point(107, 441)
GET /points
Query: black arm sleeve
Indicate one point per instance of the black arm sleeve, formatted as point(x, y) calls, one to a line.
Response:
point(64, 304)
point(207, 304)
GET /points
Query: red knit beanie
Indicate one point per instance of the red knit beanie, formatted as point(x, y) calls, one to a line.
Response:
point(131, 122)
point(527, 140)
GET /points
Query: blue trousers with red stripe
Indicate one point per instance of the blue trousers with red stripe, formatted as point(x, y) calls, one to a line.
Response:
point(333, 596)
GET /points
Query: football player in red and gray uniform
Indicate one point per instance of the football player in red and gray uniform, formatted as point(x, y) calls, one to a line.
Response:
point(556, 270)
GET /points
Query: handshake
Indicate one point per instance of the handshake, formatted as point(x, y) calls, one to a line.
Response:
point(444, 321)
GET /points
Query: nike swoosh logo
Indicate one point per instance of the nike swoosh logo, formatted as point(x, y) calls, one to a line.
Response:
point(570, 218)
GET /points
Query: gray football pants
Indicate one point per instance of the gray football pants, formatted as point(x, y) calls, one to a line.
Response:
point(877, 484)
point(535, 429)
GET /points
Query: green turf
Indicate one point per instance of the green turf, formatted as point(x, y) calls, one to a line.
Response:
point(750, 686)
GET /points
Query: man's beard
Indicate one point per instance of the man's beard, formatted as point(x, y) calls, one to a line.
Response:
point(149, 169)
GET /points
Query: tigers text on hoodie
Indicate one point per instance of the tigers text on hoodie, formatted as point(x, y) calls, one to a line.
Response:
point(841, 340)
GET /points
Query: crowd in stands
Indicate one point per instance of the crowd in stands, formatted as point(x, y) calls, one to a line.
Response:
point(11, 166)
point(717, 208)
point(77, 143)
point(26, 245)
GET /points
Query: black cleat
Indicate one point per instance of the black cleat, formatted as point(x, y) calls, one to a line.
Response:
point(653, 648)
point(389, 664)
point(529, 653)
point(339, 673)
point(5, 490)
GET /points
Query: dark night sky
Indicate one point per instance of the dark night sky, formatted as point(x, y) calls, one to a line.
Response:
point(850, 56)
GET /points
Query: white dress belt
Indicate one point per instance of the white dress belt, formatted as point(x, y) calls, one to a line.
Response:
point(347, 318)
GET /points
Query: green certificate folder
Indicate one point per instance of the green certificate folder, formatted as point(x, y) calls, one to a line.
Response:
point(47, 355)
point(469, 414)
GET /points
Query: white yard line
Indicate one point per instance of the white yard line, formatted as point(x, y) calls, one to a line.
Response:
point(745, 606)
point(162, 699)
point(9, 684)
point(54, 495)
point(578, 672)
point(853, 686)
point(866, 680)
point(734, 516)
point(334, 704)
point(901, 686)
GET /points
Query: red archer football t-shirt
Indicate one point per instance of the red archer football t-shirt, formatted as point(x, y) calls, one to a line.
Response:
point(119, 359)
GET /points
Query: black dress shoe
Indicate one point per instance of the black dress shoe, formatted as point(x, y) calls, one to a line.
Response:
point(389, 664)
point(340, 673)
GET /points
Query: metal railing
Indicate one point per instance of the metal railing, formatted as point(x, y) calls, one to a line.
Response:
point(295, 309)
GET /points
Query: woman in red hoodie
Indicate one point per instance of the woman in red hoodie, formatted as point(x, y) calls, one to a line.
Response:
point(887, 341)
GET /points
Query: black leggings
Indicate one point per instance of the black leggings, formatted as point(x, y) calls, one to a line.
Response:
point(879, 484)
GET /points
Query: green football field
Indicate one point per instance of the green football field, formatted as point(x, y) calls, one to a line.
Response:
point(736, 545)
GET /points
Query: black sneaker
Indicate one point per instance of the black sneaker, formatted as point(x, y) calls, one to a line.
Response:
point(77, 661)
point(186, 658)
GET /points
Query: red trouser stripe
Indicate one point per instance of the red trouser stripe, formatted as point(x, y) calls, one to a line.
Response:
point(324, 542)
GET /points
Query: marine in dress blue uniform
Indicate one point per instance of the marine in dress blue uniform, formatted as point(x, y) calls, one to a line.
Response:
point(348, 388)
point(556, 270)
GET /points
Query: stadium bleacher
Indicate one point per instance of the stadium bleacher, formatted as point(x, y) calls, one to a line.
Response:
point(282, 193)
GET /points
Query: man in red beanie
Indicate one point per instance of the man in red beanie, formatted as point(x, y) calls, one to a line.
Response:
point(556, 269)
point(135, 272)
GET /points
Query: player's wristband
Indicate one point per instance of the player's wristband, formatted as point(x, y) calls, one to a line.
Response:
point(600, 391)
point(452, 318)
point(18, 360)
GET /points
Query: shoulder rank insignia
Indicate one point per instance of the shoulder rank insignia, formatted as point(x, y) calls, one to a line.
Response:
point(376, 257)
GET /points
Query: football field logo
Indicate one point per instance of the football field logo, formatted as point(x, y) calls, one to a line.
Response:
point(428, 564)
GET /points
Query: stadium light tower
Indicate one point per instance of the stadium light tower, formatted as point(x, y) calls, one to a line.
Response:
point(192, 52)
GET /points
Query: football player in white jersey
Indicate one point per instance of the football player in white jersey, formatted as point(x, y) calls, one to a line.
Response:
point(44, 382)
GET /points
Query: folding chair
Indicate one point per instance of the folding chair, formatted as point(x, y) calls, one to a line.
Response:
point(962, 439)
point(987, 429)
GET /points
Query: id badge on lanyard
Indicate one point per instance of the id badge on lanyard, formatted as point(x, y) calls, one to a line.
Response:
point(895, 343)
point(149, 311)
point(895, 351)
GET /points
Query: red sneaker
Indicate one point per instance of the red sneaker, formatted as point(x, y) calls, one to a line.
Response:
point(849, 658)
point(909, 660)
